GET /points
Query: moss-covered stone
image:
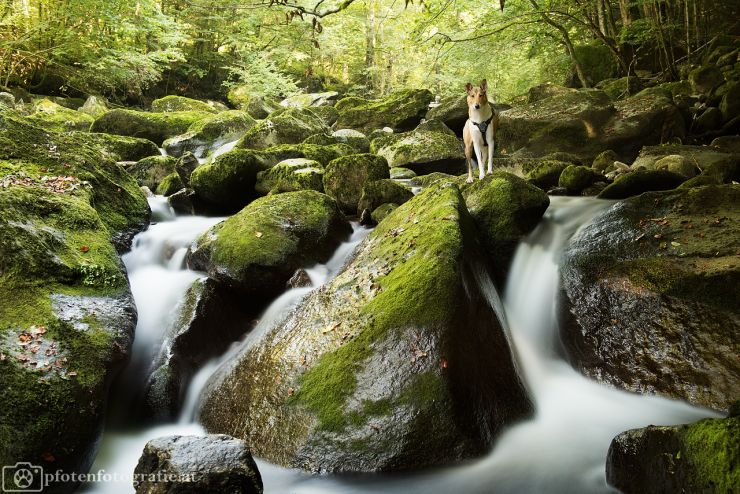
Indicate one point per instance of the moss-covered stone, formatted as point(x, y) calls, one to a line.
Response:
point(546, 90)
point(604, 160)
point(153, 126)
point(228, 182)
point(305, 100)
point(27, 151)
point(291, 175)
point(94, 106)
point(701, 180)
point(328, 114)
point(576, 178)
point(452, 111)
point(209, 132)
point(639, 181)
point(121, 148)
point(290, 126)
point(621, 88)
point(546, 174)
point(421, 151)
point(353, 138)
point(677, 164)
point(730, 104)
point(381, 212)
point(429, 179)
point(700, 457)
point(399, 173)
point(56, 118)
point(173, 103)
point(257, 250)
point(401, 110)
point(323, 154)
point(150, 171)
point(345, 178)
point(505, 209)
point(381, 369)
point(434, 126)
point(704, 79)
point(379, 192)
point(170, 184)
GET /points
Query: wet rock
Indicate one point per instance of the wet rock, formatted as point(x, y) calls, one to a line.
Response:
point(290, 126)
point(345, 178)
point(228, 182)
point(366, 218)
point(150, 171)
point(299, 280)
point(209, 132)
point(379, 192)
point(421, 151)
point(639, 181)
point(651, 299)
point(213, 464)
point(149, 125)
point(399, 363)
point(604, 160)
point(257, 250)
point(170, 184)
point(291, 175)
point(701, 457)
point(401, 110)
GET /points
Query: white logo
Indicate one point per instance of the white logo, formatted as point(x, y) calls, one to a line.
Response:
point(23, 477)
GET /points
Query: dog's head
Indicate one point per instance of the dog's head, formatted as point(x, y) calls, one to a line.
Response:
point(477, 96)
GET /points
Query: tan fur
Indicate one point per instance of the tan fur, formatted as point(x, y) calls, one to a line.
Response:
point(478, 96)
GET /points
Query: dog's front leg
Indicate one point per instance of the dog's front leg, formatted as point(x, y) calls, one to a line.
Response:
point(489, 137)
point(479, 155)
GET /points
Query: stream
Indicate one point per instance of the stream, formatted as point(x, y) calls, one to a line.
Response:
point(562, 448)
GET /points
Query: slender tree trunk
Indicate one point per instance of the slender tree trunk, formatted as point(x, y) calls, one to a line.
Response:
point(370, 44)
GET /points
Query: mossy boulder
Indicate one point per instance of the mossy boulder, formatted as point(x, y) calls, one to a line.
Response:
point(174, 103)
point(421, 151)
point(434, 126)
point(353, 138)
point(577, 178)
point(66, 325)
point(150, 171)
point(430, 178)
point(705, 79)
point(257, 250)
point(323, 154)
point(291, 175)
point(228, 182)
point(398, 363)
point(118, 148)
point(621, 88)
point(401, 110)
point(700, 457)
point(170, 184)
point(28, 152)
point(399, 173)
point(209, 133)
point(546, 174)
point(677, 164)
point(379, 192)
point(604, 161)
point(505, 209)
point(305, 100)
point(94, 106)
point(383, 211)
point(345, 178)
point(53, 117)
point(290, 126)
point(650, 291)
point(707, 159)
point(547, 90)
point(452, 111)
point(259, 107)
point(730, 103)
point(328, 114)
point(156, 127)
point(710, 119)
point(636, 182)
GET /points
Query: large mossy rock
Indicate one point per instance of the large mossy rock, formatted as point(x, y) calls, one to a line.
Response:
point(228, 182)
point(651, 295)
point(505, 209)
point(291, 126)
point(421, 151)
point(452, 111)
point(79, 160)
point(401, 110)
point(210, 132)
point(66, 324)
point(707, 159)
point(149, 172)
point(545, 174)
point(587, 122)
point(95, 106)
point(56, 118)
point(398, 364)
point(345, 177)
point(701, 457)
point(150, 125)
point(323, 154)
point(636, 182)
point(188, 464)
point(575, 179)
point(257, 250)
point(173, 103)
point(379, 192)
point(121, 148)
point(291, 175)
point(305, 100)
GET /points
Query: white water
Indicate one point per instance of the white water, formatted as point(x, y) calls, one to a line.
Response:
point(561, 449)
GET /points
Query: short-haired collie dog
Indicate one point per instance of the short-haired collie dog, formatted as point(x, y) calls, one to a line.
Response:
point(479, 133)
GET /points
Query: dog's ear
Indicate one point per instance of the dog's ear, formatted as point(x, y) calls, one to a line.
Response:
point(468, 88)
point(483, 85)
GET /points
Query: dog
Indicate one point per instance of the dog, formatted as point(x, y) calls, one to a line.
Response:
point(479, 133)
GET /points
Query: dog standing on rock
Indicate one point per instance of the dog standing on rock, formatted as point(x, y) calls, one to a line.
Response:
point(479, 132)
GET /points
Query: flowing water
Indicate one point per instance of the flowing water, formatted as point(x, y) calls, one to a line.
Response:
point(561, 449)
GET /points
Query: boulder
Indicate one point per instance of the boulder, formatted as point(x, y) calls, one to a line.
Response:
point(328, 114)
point(345, 178)
point(575, 179)
point(174, 103)
point(401, 110)
point(505, 209)
point(379, 192)
point(290, 126)
point(156, 127)
point(56, 118)
point(209, 133)
point(707, 159)
point(185, 166)
point(705, 79)
point(170, 184)
point(94, 106)
point(700, 457)
point(323, 154)
point(547, 90)
point(184, 464)
point(677, 164)
point(727, 144)
point(291, 175)
point(604, 161)
point(398, 173)
point(710, 119)
point(546, 173)
point(353, 138)
point(258, 249)
point(149, 172)
point(434, 126)
point(421, 151)
point(452, 111)
point(381, 212)
point(650, 291)
point(119, 148)
point(7, 100)
point(621, 88)
point(399, 363)
point(305, 100)
point(636, 182)
point(730, 104)
point(228, 182)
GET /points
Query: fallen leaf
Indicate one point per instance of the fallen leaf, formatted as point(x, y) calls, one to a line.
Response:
point(84, 248)
point(291, 391)
point(328, 330)
point(258, 234)
point(675, 244)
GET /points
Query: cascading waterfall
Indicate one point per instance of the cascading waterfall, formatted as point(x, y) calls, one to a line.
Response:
point(561, 449)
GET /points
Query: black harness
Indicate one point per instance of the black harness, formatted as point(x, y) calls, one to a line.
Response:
point(483, 126)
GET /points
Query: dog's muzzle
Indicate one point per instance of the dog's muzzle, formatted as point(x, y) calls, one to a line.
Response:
point(477, 107)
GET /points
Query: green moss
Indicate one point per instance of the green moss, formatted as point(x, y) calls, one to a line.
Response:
point(230, 179)
point(576, 178)
point(174, 103)
point(398, 173)
point(170, 184)
point(291, 175)
point(56, 118)
point(152, 170)
point(701, 180)
point(149, 125)
point(418, 147)
point(547, 174)
point(401, 110)
point(379, 192)
point(321, 153)
point(291, 126)
point(345, 177)
point(711, 448)
point(637, 182)
point(223, 124)
point(382, 211)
